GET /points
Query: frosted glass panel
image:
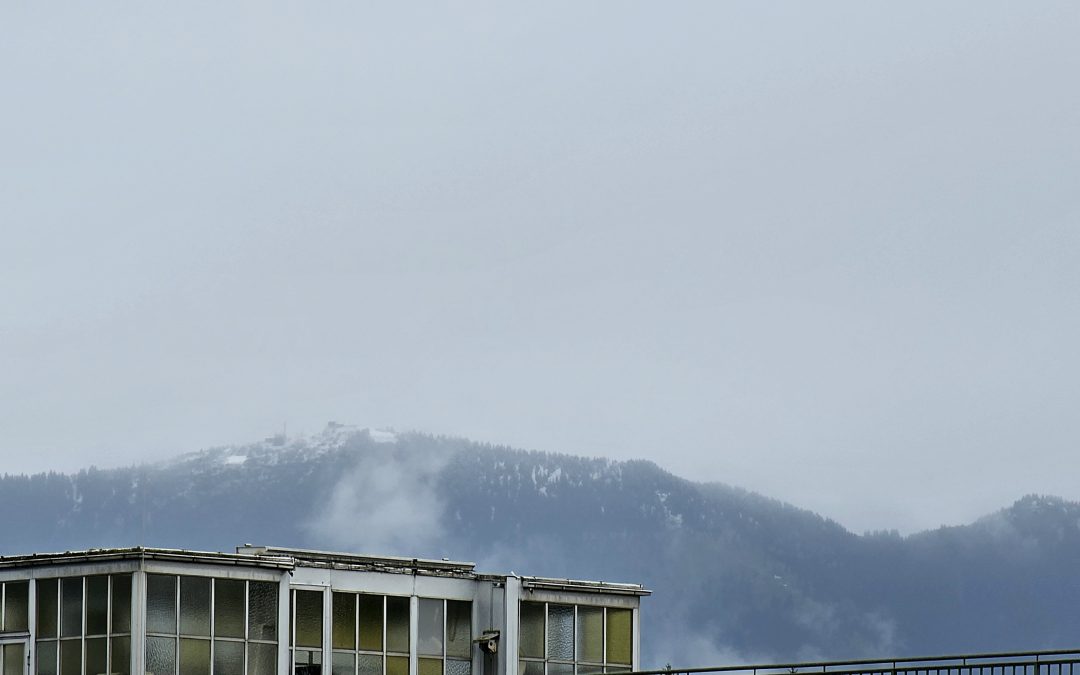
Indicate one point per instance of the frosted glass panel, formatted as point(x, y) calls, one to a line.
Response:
point(15, 607)
point(344, 664)
point(309, 618)
point(47, 608)
point(397, 625)
point(307, 662)
point(262, 659)
point(531, 667)
point(160, 604)
point(14, 659)
point(71, 602)
point(160, 656)
point(194, 608)
point(454, 667)
point(121, 606)
point(532, 630)
point(228, 657)
point(344, 628)
point(397, 665)
point(458, 628)
point(560, 632)
point(368, 664)
point(430, 629)
point(228, 608)
point(619, 636)
point(194, 657)
point(96, 656)
point(371, 623)
point(427, 666)
point(46, 657)
point(262, 610)
point(590, 634)
point(71, 656)
point(97, 610)
point(121, 655)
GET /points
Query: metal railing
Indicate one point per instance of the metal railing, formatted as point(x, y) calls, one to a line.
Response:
point(1055, 662)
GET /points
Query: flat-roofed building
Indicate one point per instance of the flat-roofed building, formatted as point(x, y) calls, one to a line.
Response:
point(271, 611)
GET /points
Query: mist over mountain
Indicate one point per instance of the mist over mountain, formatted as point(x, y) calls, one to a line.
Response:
point(737, 576)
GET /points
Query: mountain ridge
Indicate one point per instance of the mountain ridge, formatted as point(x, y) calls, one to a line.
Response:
point(737, 575)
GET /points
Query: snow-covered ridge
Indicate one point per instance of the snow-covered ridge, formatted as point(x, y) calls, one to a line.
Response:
point(273, 449)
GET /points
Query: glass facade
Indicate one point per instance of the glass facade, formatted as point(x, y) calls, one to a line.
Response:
point(369, 634)
point(562, 639)
point(84, 625)
point(232, 620)
point(210, 626)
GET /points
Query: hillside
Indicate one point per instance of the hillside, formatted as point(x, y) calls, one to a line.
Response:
point(737, 576)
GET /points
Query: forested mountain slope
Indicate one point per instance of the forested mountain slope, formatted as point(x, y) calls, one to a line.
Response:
point(736, 576)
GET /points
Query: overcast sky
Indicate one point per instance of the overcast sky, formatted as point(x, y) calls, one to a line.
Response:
point(827, 251)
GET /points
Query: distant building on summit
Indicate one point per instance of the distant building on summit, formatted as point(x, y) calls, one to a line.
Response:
point(272, 611)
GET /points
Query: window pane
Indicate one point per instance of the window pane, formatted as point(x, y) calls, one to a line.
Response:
point(344, 621)
point(458, 628)
point(397, 625)
point(121, 655)
point(371, 623)
point(194, 657)
point(194, 610)
point(619, 636)
point(228, 657)
point(121, 606)
point(96, 653)
point(47, 609)
point(97, 609)
point(430, 630)
point(397, 665)
point(369, 664)
point(229, 609)
point(14, 659)
point(560, 669)
point(590, 634)
point(71, 657)
point(455, 667)
point(160, 605)
point(531, 667)
point(309, 618)
point(46, 657)
point(262, 610)
point(589, 670)
point(262, 659)
point(71, 617)
point(344, 663)
point(531, 641)
point(560, 642)
point(18, 595)
point(307, 662)
point(160, 656)
point(429, 667)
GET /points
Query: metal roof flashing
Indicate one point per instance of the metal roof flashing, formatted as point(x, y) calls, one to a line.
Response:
point(273, 557)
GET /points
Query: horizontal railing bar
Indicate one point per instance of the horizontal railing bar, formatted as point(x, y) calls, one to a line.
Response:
point(892, 664)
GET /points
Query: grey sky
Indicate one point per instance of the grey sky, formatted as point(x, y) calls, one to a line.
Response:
point(827, 251)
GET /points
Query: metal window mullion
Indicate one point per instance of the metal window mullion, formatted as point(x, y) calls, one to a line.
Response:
point(603, 636)
point(213, 600)
point(108, 622)
point(356, 635)
point(292, 630)
point(82, 638)
point(176, 614)
point(385, 604)
point(247, 628)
